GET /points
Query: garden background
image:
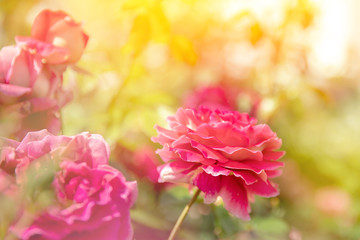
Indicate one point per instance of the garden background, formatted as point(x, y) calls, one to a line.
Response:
point(293, 64)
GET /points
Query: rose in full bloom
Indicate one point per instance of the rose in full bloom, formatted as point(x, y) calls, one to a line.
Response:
point(91, 200)
point(92, 203)
point(223, 153)
point(56, 37)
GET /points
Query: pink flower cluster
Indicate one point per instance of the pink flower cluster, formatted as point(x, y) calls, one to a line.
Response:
point(31, 73)
point(91, 199)
point(223, 153)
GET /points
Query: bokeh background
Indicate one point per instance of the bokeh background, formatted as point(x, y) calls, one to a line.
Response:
point(295, 61)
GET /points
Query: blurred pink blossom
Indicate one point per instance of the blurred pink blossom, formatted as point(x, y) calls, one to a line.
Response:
point(223, 97)
point(143, 163)
point(212, 98)
point(19, 70)
point(56, 37)
point(92, 203)
point(223, 153)
point(92, 200)
point(31, 91)
point(333, 201)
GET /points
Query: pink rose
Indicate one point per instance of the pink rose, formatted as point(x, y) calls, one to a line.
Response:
point(91, 199)
point(19, 70)
point(23, 76)
point(223, 153)
point(57, 37)
point(90, 149)
point(31, 74)
point(91, 203)
point(30, 93)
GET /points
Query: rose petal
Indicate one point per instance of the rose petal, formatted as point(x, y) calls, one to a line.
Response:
point(208, 184)
point(265, 189)
point(177, 171)
point(235, 197)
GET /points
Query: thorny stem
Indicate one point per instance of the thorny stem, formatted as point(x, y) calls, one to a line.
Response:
point(183, 215)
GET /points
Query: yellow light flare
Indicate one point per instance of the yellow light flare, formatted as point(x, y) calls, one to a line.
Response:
point(331, 40)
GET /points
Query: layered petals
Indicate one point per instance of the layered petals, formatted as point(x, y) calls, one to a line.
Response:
point(101, 200)
point(90, 198)
point(235, 197)
point(209, 185)
point(31, 74)
point(223, 153)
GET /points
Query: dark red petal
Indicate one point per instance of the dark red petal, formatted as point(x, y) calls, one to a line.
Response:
point(208, 184)
point(235, 197)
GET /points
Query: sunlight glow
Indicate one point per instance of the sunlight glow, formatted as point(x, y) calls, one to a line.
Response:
point(332, 35)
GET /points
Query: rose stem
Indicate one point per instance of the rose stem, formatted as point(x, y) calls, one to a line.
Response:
point(183, 215)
